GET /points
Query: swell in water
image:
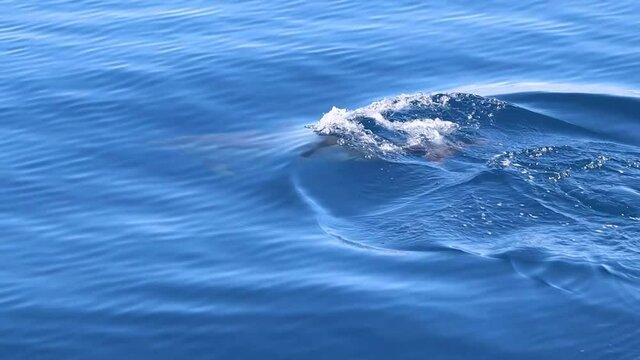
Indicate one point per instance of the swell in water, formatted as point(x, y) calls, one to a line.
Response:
point(543, 176)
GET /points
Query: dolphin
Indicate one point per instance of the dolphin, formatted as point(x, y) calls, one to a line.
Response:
point(431, 152)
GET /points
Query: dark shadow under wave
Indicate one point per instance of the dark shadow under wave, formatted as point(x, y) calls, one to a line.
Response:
point(616, 117)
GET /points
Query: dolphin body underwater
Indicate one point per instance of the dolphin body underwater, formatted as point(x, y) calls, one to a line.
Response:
point(437, 153)
point(429, 126)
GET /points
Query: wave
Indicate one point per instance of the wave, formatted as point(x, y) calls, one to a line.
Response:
point(485, 175)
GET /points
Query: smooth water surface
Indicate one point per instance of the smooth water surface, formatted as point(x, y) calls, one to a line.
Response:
point(313, 180)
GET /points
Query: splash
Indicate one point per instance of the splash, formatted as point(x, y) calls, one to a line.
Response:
point(408, 125)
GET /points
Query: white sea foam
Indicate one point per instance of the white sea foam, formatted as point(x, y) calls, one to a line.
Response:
point(431, 130)
point(419, 132)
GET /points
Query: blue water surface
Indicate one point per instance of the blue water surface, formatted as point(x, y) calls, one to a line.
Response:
point(319, 180)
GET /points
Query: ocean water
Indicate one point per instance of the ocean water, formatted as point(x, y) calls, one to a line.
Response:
point(319, 180)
